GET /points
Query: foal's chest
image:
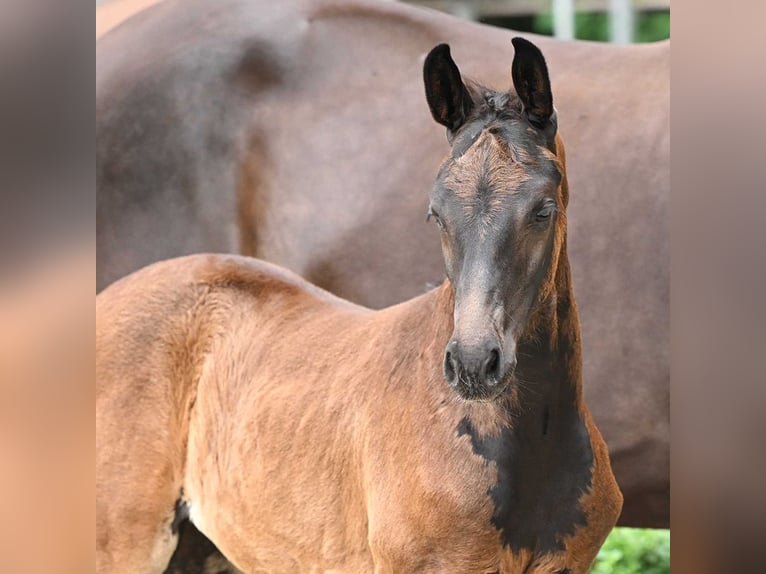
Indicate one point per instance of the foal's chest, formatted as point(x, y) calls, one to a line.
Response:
point(502, 502)
point(543, 471)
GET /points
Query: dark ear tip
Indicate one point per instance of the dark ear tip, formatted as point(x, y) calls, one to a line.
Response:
point(439, 50)
point(518, 41)
point(522, 44)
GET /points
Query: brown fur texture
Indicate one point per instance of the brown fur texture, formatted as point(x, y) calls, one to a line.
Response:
point(307, 434)
point(492, 163)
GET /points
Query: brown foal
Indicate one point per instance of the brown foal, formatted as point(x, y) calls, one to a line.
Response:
point(302, 433)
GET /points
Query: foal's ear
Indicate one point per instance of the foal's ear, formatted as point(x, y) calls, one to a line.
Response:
point(447, 96)
point(530, 79)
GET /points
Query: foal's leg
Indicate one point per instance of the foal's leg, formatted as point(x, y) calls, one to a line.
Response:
point(140, 451)
point(138, 495)
point(147, 341)
point(139, 475)
point(136, 537)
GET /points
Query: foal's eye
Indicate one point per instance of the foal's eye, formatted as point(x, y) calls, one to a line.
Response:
point(435, 216)
point(545, 212)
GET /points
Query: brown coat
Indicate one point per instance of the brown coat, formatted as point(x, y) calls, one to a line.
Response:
point(307, 434)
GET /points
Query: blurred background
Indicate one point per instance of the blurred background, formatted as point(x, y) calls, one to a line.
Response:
point(618, 21)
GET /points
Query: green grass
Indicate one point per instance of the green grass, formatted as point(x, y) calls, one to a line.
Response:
point(634, 551)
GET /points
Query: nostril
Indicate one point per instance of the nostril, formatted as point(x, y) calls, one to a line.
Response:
point(449, 367)
point(493, 363)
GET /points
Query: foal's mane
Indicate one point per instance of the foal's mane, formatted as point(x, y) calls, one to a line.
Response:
point(499, 104)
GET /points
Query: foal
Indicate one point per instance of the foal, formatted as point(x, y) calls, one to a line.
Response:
point(302, 433)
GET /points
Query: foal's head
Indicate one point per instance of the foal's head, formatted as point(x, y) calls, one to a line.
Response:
point(499, 202)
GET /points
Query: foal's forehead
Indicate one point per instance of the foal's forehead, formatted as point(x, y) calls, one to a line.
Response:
point(497, 159)
point(509, 131)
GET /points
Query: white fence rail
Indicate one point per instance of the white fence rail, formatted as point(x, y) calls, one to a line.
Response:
point(621, 12)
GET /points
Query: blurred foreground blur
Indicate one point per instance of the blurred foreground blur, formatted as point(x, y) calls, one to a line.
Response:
point(47, 273)
point(634, 551)
point(46, 398)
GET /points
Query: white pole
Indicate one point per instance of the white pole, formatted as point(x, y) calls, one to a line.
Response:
point(563, 19)
point(621, 21)
point(463, 9)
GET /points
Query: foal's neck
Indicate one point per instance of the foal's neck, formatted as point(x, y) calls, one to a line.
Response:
point(536, 436)
point(549, 353)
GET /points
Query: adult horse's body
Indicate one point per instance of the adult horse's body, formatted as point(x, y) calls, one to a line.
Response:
point(303, 433)
point(293, 131)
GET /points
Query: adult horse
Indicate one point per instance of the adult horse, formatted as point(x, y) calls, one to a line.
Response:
point(292, 131)
point(305, 434)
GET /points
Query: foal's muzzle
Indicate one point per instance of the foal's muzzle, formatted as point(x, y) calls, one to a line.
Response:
point(477, 372)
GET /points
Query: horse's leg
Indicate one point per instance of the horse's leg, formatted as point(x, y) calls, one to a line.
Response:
point(135, 536)
point(146, 383)
point(139, 479)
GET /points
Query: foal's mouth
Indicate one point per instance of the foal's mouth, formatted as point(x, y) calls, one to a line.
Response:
point(482, 393)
